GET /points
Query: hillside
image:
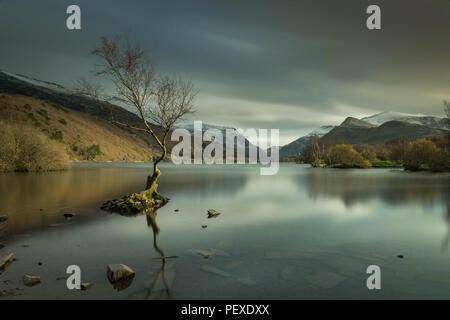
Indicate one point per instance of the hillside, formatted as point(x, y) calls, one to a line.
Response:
point(136, 145)
point(79, 133)
point(360, 132)
point(300, 145)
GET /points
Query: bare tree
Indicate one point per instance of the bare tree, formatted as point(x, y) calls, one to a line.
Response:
point(447, 108)
point(88, 88)
point(159, 99)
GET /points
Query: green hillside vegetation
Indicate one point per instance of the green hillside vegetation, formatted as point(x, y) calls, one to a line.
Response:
point(422, 154)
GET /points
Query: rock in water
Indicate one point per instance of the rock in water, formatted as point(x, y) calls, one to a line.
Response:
point(120, 276)
point(3, 218)
point(4, 260)
point(30, 281)
point(69, 215)
point(204, 226)
point(213, 213)
point(86, 285)
point(117, 272)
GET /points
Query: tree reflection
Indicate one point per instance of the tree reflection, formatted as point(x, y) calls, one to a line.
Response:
point(446, 239)
point(160, 277)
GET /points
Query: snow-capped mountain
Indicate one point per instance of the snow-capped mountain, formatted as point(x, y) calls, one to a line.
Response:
point(321, 131)
point(223, 129)
point(429, 121)
point(299, 145)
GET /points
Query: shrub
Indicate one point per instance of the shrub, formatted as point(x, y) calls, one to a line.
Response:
point(62, 121)
point(91, 152)
point(440, 161)
point(26, 149)
point(56, 135)
point(344, 156)
point(419, 154)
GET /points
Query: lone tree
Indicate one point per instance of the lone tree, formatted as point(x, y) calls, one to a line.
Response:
point(447, 108)
point(160, 99)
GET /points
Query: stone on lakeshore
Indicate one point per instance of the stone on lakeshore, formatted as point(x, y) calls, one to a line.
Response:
point(30, 281)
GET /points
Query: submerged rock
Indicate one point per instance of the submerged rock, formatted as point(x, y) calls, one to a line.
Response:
point(219, 252)
point(325, 280)
point(3, 218)
point(216, 271)
point(288, 272)
point(212, 213)
point(30, 281)
point(120, 276)
point(246, 281)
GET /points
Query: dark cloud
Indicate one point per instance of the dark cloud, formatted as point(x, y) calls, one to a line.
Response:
point(292, 65)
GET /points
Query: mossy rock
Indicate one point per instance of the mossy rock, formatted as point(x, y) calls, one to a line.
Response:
point(134, 203)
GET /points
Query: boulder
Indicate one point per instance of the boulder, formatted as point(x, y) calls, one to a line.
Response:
point(86, 285)
point(69, 215)
point(30, 281)
point(5, 260)
point(118, 272)
point(213, 213)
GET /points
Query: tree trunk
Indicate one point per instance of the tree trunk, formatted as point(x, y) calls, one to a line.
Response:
point(152, 186)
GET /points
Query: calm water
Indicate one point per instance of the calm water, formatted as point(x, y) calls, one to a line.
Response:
point(302, 234)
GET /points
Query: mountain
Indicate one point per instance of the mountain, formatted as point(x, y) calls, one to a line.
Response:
point(300, 145)
point(52, 98)
point(361, 132)
point(351, 122)
point(429, 121)
point(241, 141)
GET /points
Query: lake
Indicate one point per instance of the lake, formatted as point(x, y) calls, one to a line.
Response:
point(304, 233)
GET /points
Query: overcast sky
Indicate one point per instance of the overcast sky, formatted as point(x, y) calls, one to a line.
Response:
point(292, 65)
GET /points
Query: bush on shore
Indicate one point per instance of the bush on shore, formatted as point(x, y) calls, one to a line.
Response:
point(344, 156)
point(26, 149)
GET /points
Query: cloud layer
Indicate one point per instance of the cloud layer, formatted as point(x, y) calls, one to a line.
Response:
point(292, 65)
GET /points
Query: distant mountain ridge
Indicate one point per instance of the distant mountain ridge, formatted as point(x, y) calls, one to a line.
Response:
point(390, 125)
point(429, 121)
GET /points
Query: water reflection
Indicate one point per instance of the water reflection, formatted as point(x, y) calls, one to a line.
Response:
point(160, 277)
point(446, 239)
point(359, 187)
point(33, 200)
